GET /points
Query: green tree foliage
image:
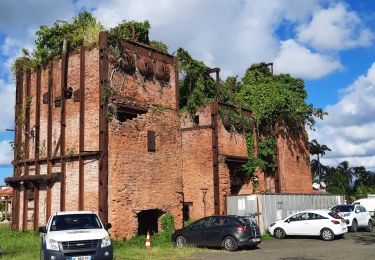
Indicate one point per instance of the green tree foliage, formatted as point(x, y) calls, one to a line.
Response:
point(272, 100)
point(82, 31)
point(276, 99)
point(197, 87)
point(125, 30)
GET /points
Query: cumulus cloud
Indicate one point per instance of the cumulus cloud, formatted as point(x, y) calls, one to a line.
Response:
point(350, 125)
point(299, 61)
point(6, 153)
point(19, 19)
point(335, 28)
point(7, 97)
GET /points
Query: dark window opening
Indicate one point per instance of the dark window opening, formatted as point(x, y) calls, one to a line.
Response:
point(58, 102)
point(68, 93)
point(297, 159)
point(45, 98)
point(124, 113)
point(148, 221)
point(151, 143)
point(196, 120)
point(186, 210)
point(237, 174)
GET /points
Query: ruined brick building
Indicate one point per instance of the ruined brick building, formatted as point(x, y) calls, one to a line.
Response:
point(91, 138)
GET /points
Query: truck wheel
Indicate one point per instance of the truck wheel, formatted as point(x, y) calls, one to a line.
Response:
point(369, 226)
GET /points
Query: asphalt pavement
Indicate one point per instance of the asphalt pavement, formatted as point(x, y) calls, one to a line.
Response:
point(353, 246)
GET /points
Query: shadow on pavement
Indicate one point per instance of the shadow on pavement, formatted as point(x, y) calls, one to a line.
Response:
point(365, 238)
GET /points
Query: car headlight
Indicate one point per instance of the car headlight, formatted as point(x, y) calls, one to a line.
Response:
point(106, 241)
point(52, 245)
point(272, 224)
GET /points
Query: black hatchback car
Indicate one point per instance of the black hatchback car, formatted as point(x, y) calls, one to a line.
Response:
point(229, 232)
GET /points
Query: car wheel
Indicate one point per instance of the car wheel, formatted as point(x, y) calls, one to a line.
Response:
point(230, 244)
point(180, 241)
point(327, 234)
point(369, 226)
point(354, 226)
point(279, 233)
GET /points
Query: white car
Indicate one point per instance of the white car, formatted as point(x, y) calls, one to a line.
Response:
point(356, 216)
point(368, 203)
point(321, 223)
point(75, 235)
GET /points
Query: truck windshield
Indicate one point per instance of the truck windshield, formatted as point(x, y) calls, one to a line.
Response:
point(75, 221)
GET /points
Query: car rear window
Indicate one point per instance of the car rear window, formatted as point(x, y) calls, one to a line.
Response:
point(334, 215)
point(343, 208)
point(75, 221)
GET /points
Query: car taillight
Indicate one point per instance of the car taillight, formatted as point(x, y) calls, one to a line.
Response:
point(335, 222)
point(241, 229)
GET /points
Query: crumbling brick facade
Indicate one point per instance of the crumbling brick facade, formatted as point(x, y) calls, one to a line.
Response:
point(293, 164)
point(108, 137)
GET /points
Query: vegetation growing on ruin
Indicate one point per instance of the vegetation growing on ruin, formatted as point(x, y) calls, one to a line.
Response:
point(275, 101)
point(82, 31)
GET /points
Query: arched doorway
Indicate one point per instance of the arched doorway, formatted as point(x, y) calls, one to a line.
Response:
point(148, 221)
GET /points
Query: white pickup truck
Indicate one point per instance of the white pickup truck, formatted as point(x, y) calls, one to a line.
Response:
point(75, 235)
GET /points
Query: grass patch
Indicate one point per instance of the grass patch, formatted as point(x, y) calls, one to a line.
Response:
point(19, 245)
point(26, 245)
point(267, 236)
point(161, 248)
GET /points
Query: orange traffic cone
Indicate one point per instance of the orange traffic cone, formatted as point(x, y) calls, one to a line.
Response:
point(148, 240)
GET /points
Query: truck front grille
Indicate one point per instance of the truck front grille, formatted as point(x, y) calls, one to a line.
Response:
point(83, 244)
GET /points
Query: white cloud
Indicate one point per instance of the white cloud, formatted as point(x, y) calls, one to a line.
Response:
point(350, 125)
point(335, 28)
point(7, 99)
point(6, 153)
point(299, 61)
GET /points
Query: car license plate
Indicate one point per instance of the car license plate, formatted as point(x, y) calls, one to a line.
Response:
point(255, 239)
point(86, 257)
point(344, 229)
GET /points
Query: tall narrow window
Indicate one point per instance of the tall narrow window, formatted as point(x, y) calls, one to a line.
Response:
point(151, 145)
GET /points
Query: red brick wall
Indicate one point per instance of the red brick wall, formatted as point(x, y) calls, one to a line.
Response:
point(141, 180)
point(294, 162)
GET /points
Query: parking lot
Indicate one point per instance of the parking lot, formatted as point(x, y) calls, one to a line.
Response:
point(360, 245)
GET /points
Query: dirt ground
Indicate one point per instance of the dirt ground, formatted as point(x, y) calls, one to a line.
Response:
point(353, 246)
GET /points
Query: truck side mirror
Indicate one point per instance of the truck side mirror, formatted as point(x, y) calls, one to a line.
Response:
point(42, 229)
point(107, 226)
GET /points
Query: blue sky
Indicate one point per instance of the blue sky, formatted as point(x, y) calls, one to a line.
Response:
point(328, 43)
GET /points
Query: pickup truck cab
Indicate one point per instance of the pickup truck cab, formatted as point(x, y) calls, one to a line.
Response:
point(75, 235)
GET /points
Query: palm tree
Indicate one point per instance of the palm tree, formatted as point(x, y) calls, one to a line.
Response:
point(320, 151)
point(346, 171)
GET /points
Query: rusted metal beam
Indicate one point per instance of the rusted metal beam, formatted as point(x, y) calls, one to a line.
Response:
point(26, 148)
point(41, 178)
point(215, 157)
point(37, 148)
point(64, 88)
point(81, 130)
point(215, 144)
point(49, 135)
point(176, 72)
point(17, 142)
point(103, 127)
point(58, 158)
point(199, 127)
